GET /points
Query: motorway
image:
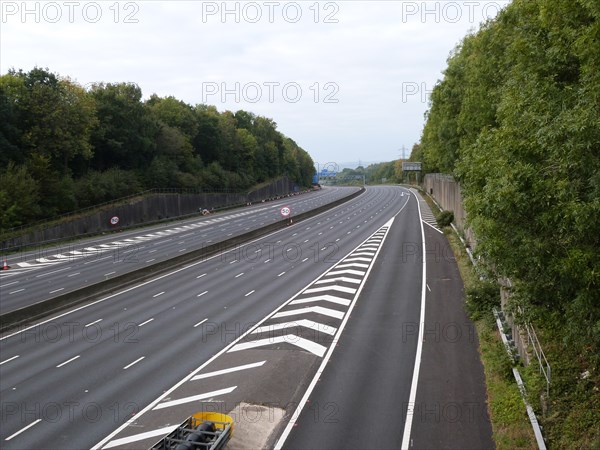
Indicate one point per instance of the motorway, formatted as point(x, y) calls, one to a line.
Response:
point(352, 278)
point(47, 272)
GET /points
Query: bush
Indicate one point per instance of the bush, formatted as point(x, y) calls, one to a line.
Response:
point(481, 298)
point(445, 218)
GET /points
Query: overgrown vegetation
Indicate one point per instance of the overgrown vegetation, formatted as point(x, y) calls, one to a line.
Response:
point(516, 121)
point(481, 297)
point(63, 147)
point(444, 218)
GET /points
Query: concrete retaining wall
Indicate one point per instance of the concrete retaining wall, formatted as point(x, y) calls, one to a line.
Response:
point(446, 191)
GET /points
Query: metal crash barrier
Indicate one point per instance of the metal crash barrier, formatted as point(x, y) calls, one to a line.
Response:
point(205, 431)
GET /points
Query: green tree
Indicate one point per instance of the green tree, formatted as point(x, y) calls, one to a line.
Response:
point(516, 119)
point(174, 113)
point(126, 134)
point(10, 127)
point(19, 196)
point(56, 117)
point(207, 142)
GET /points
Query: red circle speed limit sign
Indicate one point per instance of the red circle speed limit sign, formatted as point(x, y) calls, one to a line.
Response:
point(285, 211)
point(114, 220)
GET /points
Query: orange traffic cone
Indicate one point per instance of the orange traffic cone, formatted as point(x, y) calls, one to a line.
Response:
point(5, 266)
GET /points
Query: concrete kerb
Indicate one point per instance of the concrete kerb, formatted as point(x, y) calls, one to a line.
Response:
point(28, 314)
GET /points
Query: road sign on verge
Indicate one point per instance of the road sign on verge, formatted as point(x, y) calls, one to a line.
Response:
point(114, 220)
point(411, 166)
point(285, 211)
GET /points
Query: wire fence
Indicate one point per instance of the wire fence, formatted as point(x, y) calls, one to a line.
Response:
point(150, 206)
point(83, 211)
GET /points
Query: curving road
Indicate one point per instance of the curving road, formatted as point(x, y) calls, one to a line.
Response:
point(77, 377)
point(52, 271)
point(322, 322)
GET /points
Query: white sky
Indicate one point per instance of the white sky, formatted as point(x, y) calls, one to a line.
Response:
point(347, 80)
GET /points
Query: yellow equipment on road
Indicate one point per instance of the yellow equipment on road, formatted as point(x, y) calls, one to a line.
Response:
point(201, 431)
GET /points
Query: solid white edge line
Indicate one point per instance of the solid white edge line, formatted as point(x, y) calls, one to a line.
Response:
point(23, 429)
point(439, 231)
point(133, 419)
point(415, 378)
point(290, 425)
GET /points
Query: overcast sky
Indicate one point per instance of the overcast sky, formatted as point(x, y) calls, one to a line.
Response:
point(347, 80)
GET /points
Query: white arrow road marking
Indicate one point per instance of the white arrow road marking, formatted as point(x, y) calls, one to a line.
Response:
point(305, 344)
point(361, 265)
point(194, 398)
point(363, 254)
point(292, 422)
point(44, 260)
point(26, 264)
point(367, 260)
point(331, 288)
point(229, 370)
point(334, 279)
point(100, 248)
point(347, 272)
point(318, 298)
point(316, 309)
point(140, 437)
point(366, 246)
point(298, 323)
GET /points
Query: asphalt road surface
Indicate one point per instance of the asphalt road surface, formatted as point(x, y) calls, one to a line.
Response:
point(47, 272)
point(320, 321)
point(363, 398)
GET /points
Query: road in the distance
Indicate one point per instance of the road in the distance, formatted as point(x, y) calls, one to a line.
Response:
point(67, 383)
point(361, 398)
point(367, 398)
point(61, 269)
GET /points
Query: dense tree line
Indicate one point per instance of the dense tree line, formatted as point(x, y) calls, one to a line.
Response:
point(377, 173)
point(63, 147)
point(516, 119)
